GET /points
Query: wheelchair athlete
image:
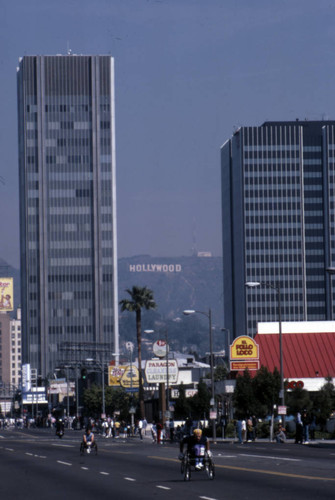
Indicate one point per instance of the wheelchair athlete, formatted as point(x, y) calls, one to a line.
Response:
point(197, 445)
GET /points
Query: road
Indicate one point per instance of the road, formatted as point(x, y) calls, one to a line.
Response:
point(36, 464)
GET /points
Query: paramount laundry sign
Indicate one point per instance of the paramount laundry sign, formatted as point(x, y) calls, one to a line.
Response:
point(154, 268)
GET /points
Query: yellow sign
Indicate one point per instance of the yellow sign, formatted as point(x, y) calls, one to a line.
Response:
point(115, 373)
point(244, 347)
point(131, 378)
point(6, 294)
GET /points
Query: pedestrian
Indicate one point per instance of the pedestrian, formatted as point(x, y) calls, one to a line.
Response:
point(145, 425)
point(299, 429)
point(140, 428)
point(159, 432)
point(239, 430)
point(249, 430)
point(281, 434)
point(244, 430)
point(154, 432)
point(171, 430)
point(305, 426)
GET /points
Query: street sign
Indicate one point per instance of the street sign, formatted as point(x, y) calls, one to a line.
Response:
point(242, 365)
point(159, 348)
point(130, 378)
point(156, 372)
point(281, 410)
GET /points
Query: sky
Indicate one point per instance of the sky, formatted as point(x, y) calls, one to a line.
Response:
point(187, 74)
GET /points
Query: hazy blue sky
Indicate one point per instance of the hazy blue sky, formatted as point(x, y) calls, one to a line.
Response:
point(188, 72)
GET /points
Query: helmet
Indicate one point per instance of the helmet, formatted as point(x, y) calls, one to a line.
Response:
point(197, 432)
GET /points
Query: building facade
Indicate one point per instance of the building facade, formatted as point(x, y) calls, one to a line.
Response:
point(66, 130)
point(10, 354)
point(278, 223)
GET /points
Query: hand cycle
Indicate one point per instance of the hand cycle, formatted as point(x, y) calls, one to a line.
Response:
point(188, 466)
point(88, 448)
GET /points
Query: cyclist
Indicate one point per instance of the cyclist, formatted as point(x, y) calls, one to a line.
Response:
point(196, 447)
point(88, 437)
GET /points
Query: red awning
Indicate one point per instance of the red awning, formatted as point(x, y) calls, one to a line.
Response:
point(305, 355)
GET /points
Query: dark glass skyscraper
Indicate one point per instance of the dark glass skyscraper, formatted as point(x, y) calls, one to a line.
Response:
point(67, 206)
point(278, 222)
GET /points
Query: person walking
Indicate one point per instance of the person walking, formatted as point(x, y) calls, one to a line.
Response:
point(299, 429)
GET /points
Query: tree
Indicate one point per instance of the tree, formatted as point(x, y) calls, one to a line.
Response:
point(243, 397)
point(182, 407)
point(140, 298)
point(266, 387)
point(200, 402)
point(324, 402)
point(116, 399)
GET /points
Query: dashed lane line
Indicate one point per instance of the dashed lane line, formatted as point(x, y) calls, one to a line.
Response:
point(129, 479)
point(104, 473)
point(270, 458)
point(207, 498)
point(162, 487)
point(63, 463)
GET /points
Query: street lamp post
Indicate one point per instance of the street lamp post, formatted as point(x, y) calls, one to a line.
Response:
point(209, 316)
point(253, 284)
point(130, 348)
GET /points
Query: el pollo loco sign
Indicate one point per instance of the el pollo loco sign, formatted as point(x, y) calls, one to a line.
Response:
point(244, 353)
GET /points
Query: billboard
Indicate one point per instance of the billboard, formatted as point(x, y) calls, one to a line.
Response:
point(156, 371)
point(6, 294)
point(244, 353)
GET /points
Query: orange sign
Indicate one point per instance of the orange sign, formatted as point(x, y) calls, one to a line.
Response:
point(244, 347)
point(242, 365)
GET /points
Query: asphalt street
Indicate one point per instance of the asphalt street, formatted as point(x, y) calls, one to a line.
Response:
point(36, 464)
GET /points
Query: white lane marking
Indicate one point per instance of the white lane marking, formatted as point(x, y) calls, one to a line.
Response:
point(63, 463)
point(163, 487)
point(9, 449)
point(104, 473)
point(272, 458)
point(30, 454)
point(208, 498)
point(130, 479)
point(85, 468)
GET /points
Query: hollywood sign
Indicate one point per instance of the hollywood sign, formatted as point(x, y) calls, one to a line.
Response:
point(154, 268)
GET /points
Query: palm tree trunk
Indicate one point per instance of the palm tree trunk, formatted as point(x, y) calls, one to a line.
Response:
point(139, 351)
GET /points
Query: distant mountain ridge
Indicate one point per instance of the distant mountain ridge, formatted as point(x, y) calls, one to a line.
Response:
point(178, 283)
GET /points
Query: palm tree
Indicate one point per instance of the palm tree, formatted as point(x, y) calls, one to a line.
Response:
point(141, 298)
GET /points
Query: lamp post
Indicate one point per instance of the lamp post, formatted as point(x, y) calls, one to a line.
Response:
point(227, 342)
point(130, 348)
point(67, 395)
point(253, 284)
point(208, 315)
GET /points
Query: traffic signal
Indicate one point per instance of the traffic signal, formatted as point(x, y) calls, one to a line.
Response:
point(83, 373)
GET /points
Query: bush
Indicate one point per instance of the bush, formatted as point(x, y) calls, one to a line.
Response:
point(263, 430)
point(230, 430)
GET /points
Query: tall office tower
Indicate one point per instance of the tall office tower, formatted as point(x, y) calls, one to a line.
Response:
point(67, 208)
point(278, 205)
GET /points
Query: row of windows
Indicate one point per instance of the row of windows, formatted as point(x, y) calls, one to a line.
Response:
point(278, 193)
